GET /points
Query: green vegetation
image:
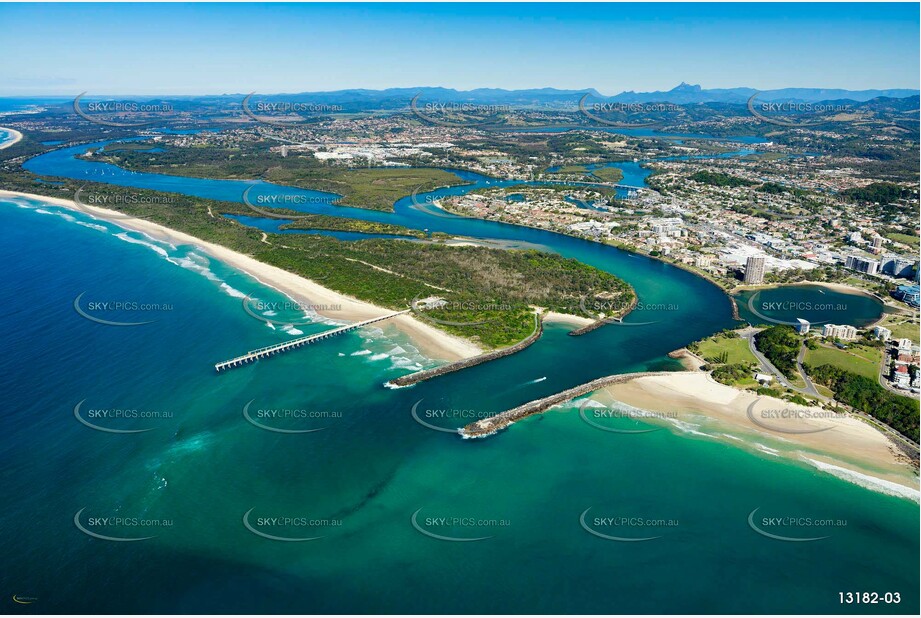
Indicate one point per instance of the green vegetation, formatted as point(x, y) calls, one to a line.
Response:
point(860, 360)
point(494, 288)
point(725, 347)
point(729, 357)
point(905, 239)
point(878, 192)
point(765, 391)
point(489, 291)
point(866, 395)
point(777, 189)
point(126, 146)
point(375, 188)
point(720, 179)
point(602, 174)
point(608, 174)
point(325, 222)
point(781, 345)
point(902, 326)
point(734, 375)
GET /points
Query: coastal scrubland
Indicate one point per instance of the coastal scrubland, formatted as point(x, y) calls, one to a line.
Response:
point(489, 293)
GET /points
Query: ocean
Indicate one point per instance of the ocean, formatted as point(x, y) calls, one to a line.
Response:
point(208, 508)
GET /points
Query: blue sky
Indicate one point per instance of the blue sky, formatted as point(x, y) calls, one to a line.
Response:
point(232, 48)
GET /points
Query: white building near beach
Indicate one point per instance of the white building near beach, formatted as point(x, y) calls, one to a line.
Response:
point(844, 332)
point(882, 333)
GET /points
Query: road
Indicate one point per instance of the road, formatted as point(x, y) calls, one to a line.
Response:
point(906, 444)
point(810, 387)
point(883, 366)
point(768, 368)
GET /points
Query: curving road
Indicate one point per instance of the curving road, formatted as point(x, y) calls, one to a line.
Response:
point(768, 367)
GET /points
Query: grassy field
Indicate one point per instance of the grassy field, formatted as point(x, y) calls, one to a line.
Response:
point(374, 188)
point(860, 360)
point(905, 239)
point(737, 349)
point(608, 174)
point(902, 326)
point(739, 365)
point(571, 170)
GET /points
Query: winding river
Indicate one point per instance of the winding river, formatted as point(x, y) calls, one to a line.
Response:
point(675, 307)
point(373, 467)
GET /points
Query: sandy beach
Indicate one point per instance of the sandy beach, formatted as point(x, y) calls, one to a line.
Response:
point(567, 318)
point(844, 445)
point(430, 341)
point(839, 287)
point(16, 136)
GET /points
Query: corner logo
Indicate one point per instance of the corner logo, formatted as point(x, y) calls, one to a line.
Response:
point(429, 207)
point(266, 213)
point(276, 123)
point(414, 107)
point(22, 600)
point(751, 307)
point(119, 107)
point(782, 123)
point(415, 414)
point(78, 195)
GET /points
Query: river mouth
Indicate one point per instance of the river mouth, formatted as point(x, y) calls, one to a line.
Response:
point(374, 466)
point(688, 300)
point(668, 296)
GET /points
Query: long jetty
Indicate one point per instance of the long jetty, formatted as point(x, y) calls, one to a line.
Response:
point(428, 374)
point(493, 424)
point(278, 348)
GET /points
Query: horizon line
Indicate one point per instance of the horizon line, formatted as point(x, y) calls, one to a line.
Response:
point(90, 94)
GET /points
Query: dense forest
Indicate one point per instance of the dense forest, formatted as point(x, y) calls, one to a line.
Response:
point(780, 345)
point(879, 192)
point(719, 179)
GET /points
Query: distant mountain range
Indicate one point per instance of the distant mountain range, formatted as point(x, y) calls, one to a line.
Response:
point(683, 94)
point(353, 100)
point(687, 93)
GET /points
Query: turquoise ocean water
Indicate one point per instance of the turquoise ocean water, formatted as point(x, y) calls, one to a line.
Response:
point(377, 492)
